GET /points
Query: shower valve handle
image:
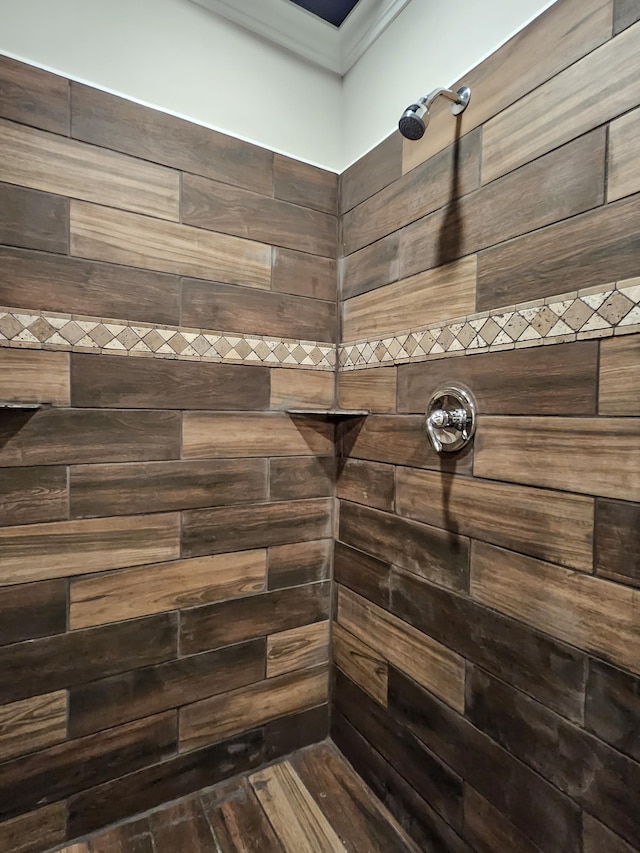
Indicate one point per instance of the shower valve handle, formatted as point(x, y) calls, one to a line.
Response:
point(450, 420)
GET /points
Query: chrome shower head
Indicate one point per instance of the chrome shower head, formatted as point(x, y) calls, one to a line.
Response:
point(414, 120)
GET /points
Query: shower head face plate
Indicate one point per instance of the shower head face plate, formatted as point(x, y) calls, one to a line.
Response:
point(411, 125)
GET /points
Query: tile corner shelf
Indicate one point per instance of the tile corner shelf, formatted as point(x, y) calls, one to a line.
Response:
point(331, 412)
point(22, 405)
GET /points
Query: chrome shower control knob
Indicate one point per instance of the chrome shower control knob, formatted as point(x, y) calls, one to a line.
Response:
point(450, 420)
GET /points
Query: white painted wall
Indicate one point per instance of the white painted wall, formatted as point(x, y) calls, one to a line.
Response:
point(176, 56)
point(431, 43)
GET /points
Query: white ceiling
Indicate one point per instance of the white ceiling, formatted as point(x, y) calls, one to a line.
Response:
point(287, 25)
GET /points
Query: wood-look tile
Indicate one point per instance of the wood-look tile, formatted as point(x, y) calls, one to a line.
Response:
point(223, 716)
point(552, 525)
point(32, 724)
point(182, 826)
point(423, 190)
point(430, 552)
point(362, 574)
point(369, 483)
point(65, 436)
point(419, 656)
point(539, 121)
point(36, 831)
point(545, 815)
point(238, 822)
point(218, 530)
point(593, 249)
point(171, 779)
point(373, 390)
point(586, 455)
point(214, 625)
point(33, 220)
point(134, 837)
point(29, 495)
point(402, 440)
point(65, 769)
point(145, 590)
point(287, 734)
point(542, 667)
point(372, 267)
point(30, 611)
point(100, 490)
point(31, 96)
point(360, 663)
point(612, 710)
point(596, 776)
point(619, 388)
point(617, 541)
point(299, 563)
point(299, 477)
point(303, 274)
point(598, 837)
point(536, 381)
point(122, 125)
point(294, 814)
point(133, 695)
point(231, 210)
point(297, 648)
point(347, 803)
point(592, 614)
point(375, 170)
point(115, 236)
point(54, 164)
point(625, 13)
point(111, 381)
point(429, 297)
point(557, 186)
point(488, 829)
point(240, 435)
point(436, 782)
point(562, 34)
point(624, 171)
point(34, 376)
point(68, 660)
point(34, 552)
point(206, 305)
point(46, 282)
point(304, 184)
point(302, 388)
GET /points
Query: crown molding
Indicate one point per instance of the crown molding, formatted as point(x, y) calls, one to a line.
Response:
point(298, 31)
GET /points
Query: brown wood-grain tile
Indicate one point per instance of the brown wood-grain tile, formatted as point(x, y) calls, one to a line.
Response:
point(34, 376)
point(297, 648)
point(371, 173)
point(105, 490)
point(33, 220)
point(625, 13)
point(617, 541)
point(302, 274)
point(304, 184)
point(68, 660)
point(30, 611)
point(488, 830)
point(369, 483)
point(536, 381)
point(619, 386)
point(238, 822)
point(373, 390)
point(223, 716)
point(360, 663)
point(65, 436)
point(36, 831)
point(32, 724)
point(122, 125)
point(598, 837)
point(156, 588)
point(157, 383)
point(31, 96)
point(296, 731)
point(182, 826)
point(34, 552)
point(612, 709)
point(143, 692)
point(206, 305)
point(29, 495)
point(302, 388)
point(362, 573)
point(232, 210)
point(296, 477)
point(299, 563)
point(218, 530)
point(372, 267)
point(50, 282)
point(624, 171)
point(214, 625)
point(132, 837)
point(555, 526)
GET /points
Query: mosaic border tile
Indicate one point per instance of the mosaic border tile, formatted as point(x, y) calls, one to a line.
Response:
point(595, 312)
point(75, 333)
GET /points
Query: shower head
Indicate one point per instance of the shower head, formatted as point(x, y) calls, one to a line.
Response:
point(414, 120)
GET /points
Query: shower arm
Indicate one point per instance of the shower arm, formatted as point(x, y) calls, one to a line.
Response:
point(427, 100)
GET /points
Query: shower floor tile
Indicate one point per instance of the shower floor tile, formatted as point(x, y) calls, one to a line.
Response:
point(311, 802)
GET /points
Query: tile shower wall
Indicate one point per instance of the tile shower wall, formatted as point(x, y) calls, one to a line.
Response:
point(165, 528)
point(487, 634)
